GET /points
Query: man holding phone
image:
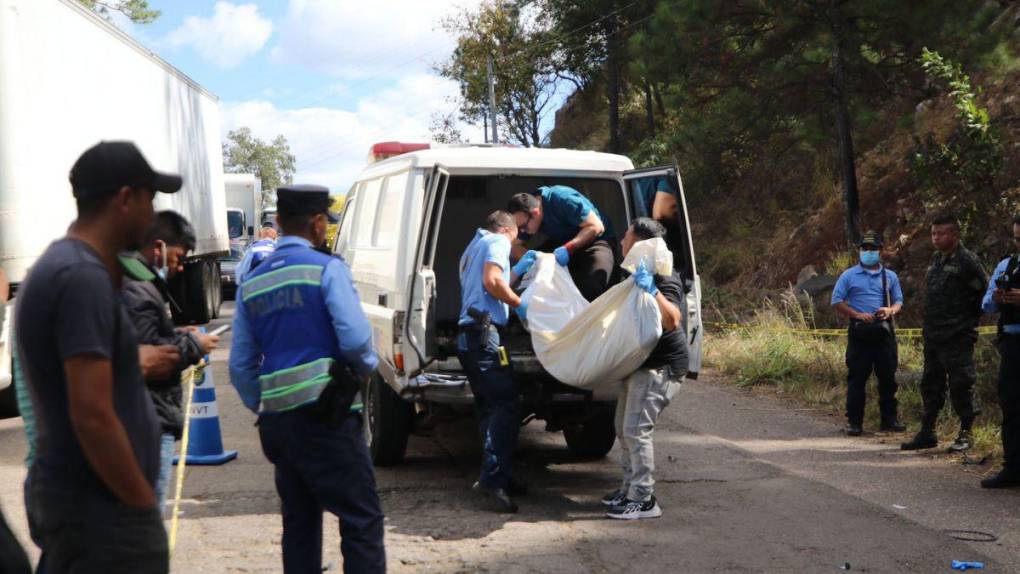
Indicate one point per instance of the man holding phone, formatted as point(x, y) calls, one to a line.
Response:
point(1003, 297)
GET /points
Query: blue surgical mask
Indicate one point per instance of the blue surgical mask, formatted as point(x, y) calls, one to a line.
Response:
point(869, 258)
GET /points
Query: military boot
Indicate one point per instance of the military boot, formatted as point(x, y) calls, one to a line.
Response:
point(965, 439)
point(925, 438)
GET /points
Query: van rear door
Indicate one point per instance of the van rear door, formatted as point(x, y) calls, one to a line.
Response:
point(420, 329)
point(658, 193)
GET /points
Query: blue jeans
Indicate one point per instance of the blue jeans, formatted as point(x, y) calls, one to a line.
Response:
point(497, 399)
point(166, 465)
point(324, 466)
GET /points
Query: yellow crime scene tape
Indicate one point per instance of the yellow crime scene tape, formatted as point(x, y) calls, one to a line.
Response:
point(189, 377)
point(910, 333)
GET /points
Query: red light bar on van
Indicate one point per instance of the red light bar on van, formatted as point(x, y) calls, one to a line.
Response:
point(384, 150)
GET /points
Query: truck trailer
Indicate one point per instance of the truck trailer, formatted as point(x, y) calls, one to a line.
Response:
point(69, 79)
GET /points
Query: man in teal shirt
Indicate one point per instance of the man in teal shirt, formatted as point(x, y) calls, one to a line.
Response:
point(580, 237)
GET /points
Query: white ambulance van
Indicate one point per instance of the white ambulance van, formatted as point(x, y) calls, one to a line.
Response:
point(406, 222)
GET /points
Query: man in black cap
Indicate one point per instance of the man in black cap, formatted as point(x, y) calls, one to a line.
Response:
point(91, 502)
point(302, 347)
point(869, 295)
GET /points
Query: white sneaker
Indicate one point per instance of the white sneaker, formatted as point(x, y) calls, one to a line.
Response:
point(634, 510)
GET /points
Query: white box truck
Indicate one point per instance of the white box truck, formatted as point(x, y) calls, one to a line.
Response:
point(69, 79)
point(244, 198)
point(244, 217)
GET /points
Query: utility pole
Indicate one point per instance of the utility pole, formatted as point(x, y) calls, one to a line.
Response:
point(492, 99)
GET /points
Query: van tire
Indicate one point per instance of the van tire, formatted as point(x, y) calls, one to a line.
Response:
point(388, 420)
point(593, 438)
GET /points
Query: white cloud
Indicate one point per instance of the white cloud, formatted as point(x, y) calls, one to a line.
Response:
point(233, 33)
point(331, 144)
point(358, 39)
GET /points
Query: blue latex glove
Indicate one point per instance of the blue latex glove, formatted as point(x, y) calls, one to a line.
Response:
point(645, 280)
point(962, 565)
point(525, 263)
point(562, 255)
point(522, 311)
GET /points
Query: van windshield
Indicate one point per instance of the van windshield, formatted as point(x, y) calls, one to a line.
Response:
point(235, 224)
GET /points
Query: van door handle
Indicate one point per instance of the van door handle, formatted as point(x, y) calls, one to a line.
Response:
point(384, 300)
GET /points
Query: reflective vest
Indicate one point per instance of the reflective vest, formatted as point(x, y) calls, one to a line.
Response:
point(1010, 314)
point(291, 322)
point(260, 250)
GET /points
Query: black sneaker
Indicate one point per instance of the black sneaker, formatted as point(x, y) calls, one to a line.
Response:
point(614, 498)
point(635, 510)
point(496, 499)
point(853, 430)
point(517, 488)
point(1005, 479)
point(921, 440)
point(963, 442)
point(892, 426)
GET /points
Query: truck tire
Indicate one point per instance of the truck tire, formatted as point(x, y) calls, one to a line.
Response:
point(8, 402)
point(217, 289)
point(593, 438)
point(209, 281)
point(387, 421)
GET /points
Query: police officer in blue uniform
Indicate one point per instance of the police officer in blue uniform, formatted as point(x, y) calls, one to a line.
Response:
point(869, 295)
point(257, 253)
point(302, 346)
point(1003, 297)
point(485, 279)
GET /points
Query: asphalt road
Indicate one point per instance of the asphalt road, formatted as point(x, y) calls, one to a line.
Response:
point(748, 484)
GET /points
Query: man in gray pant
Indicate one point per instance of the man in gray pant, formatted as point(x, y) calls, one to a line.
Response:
point(648, 390)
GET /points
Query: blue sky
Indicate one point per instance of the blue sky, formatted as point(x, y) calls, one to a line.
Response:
point(333, 76)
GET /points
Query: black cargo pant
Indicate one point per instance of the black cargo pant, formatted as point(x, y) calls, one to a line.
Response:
point(324, 466)
point(951, 361)
point(594, 267)
point(863, 357)
point(497, 399)
point(1009, 400)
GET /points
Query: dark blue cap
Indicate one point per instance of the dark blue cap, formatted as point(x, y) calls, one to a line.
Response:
point(305, 199)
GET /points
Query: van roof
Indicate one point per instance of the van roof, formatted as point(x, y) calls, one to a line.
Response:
point(502, 159)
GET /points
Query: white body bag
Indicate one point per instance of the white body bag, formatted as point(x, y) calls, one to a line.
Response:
point(594, 345)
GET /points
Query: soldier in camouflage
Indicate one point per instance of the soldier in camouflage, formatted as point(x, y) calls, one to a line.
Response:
point(952, 308)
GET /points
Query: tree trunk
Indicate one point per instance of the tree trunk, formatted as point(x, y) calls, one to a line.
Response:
point(650, 114)
point(614, 91)
point(844, 132)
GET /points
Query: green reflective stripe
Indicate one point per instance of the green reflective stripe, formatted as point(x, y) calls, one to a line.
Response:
point(293, 275)
point(284, 391)
point(295, 397)
point(294, 375)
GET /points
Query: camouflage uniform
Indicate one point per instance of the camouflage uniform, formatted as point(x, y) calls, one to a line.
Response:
point(952, 308)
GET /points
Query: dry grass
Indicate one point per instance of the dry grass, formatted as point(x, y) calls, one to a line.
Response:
point(769, 351)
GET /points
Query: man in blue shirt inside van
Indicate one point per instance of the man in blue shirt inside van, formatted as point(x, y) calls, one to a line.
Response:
point(584, 240)
point(485, 278)
point(1003, 297)
point(869, 295)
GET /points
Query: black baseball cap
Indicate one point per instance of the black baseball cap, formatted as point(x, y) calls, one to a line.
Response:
point(305, 199)
point(872, 238)
point(109, 165)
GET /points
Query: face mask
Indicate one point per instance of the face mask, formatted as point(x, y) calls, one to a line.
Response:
point(869, 258)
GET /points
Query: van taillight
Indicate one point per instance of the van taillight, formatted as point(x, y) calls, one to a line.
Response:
point(398, 361)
